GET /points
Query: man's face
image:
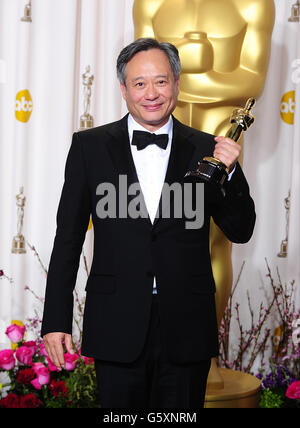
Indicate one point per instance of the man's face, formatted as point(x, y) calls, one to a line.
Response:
point(151, 91)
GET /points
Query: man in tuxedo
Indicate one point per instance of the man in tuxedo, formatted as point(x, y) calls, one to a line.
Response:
point(150, 319)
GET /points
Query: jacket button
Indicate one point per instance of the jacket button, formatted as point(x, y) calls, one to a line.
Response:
point(153, 236)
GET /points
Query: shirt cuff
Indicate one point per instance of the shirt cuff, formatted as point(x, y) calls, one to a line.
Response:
point(230, 175)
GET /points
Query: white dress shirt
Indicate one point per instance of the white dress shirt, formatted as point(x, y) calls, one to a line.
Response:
point(151, 166)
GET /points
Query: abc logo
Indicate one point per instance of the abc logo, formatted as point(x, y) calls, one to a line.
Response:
point(24, 106)
point(287, 109)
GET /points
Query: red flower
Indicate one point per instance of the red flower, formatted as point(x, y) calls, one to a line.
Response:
point(29, 401)
point(293, 391)
point(58, 388)
point(25, 376)
point(88, 360)
point(11, 401)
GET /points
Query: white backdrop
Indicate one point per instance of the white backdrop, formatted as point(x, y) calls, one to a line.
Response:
point(47, 57)
point(272, 165)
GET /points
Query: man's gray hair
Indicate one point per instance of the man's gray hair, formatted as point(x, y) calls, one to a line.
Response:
point(145, 44)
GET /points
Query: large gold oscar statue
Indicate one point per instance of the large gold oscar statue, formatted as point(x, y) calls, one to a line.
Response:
point(224, 46)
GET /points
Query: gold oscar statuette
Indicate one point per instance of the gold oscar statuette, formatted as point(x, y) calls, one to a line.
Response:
point(295, 16)
point(86, 120)
point(27, 13)
point(284, 243)
point(18, 244)
point(210, 169)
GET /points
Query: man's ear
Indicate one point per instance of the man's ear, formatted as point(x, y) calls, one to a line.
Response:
point(123, 90)
point(177, 83)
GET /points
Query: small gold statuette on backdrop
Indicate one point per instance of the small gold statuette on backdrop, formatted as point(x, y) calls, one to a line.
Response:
point(18, 244)
point(295, 15)
point(27, 13)
point(210, 169)
point(86, 120)
point(284, 243)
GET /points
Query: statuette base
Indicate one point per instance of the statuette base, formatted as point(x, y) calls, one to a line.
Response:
point(86, 123)
point(18, 245)
point(241, 390)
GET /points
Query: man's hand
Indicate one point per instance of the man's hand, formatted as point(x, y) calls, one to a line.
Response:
point(227, 151)
point(54, 347)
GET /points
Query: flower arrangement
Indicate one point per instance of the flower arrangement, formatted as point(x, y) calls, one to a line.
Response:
point(280, 373)
point(35, 382)
point(280, 389)
point(32, 379)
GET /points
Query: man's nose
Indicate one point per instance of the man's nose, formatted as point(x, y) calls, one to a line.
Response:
point(151, 92)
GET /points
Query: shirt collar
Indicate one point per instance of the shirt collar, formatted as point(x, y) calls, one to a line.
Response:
point(133, 125)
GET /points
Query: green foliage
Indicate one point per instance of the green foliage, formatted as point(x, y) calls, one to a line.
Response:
point(82, 387)
point(272, 399)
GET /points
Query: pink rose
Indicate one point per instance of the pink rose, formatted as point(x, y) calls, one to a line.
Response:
point(42, 375)
point(24, 355)
point(15, 333)
point(293, 391)
point(36, 367)
point(51, 366)
point(43, 350)
point(70, 361)
point(7, 359)
point(31, 345)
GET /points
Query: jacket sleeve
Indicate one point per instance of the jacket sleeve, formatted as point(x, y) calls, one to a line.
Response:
point(235, 213)
point(72, 222)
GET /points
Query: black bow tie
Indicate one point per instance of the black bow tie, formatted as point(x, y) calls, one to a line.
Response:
point(142, 139)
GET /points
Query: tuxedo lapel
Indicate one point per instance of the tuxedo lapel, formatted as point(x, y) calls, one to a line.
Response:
point(119, 149)
point(181, 153)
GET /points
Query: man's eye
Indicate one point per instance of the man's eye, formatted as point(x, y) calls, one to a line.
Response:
point(161, 82)
point(140, 84)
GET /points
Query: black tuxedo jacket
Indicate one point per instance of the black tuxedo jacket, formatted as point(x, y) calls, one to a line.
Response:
point(128, 252)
